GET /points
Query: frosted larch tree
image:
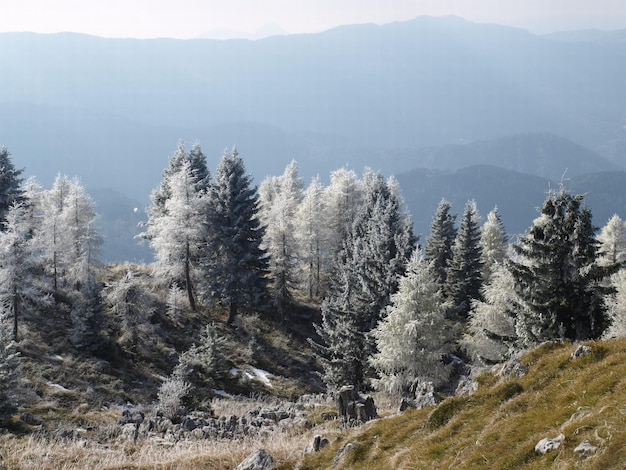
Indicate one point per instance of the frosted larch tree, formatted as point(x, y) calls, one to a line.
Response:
point(413, 338)
point(493, 243)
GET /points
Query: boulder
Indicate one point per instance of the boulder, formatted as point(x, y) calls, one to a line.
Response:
point(585, 448)
point(581, 351)
point(319, 442)
point(260, 460)
point(425, 395)
point(354, 408)
point(549, 444)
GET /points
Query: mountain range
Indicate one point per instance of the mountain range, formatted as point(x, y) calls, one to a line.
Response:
point(422, 99)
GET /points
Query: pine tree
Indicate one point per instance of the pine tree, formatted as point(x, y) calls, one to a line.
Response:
point(367, 272)
point(19, 288)
point(9, 374)
point(178, 234)
point(616, 306)
point(342, 200)
point(612, 240)
point(235, 266)
point(10, 184)
point(312, 236)
point(491, 335)
point(464, 278)
point(438, 251)
point(278, 213)
point(557, 275)
point(493, 243)
point(413, 339)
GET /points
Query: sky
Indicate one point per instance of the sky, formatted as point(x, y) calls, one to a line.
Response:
point(222, 19)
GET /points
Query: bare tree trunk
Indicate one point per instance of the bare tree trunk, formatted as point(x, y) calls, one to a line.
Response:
point(232, 313)
point(192, 301)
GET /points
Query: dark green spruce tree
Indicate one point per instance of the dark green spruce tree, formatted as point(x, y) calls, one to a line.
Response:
point(464, 281)
point(10, 185)
point(367, 272)
point(438, 250)
point(235, 265)
point(557, 275)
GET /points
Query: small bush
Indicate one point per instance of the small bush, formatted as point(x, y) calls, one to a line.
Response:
point(445, 411)
point(509, 390)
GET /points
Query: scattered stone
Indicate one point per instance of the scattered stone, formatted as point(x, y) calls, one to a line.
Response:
point(406, 404)
point(353, 408)
point(549, 444)
point(31, 419)
point(260, 460)
point(513, 368)
point(581, 351)
point(342, 454)
point(319, 442)
point(585, 448)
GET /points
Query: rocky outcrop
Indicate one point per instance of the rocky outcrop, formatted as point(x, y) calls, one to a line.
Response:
point(319, 442)
point(260, 460)
point(353, 408)
point(581, 351)
point(585, 449)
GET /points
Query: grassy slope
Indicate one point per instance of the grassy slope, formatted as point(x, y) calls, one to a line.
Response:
point(499, 426)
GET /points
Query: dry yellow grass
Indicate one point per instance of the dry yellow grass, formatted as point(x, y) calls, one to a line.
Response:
point(499, 426)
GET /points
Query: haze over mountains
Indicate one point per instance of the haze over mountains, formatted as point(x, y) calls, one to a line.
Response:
point(441, 94)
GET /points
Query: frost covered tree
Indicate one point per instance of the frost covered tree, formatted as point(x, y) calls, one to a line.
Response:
point(612, 240)
point(493, 243)
point(374, 256)
point(66, 233)
point(312, 237)
point(19, 288)
point(132, 306)
point(616, 306)
point(464, 278)
point(491, 334)
point(342, 200)
point(278, 214)
point(10, 184)
point(413, 338)
point(557, 274)
point(176, 226)
point(179, 233)
point(9, 374)
point(235, 264)
point(439, 243)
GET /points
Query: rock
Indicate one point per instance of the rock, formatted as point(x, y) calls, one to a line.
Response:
point(549, 444)
point(466, 387)
point(585, 448)
point(513, 368)
point(425, 395)
point(31, 419)
point(405, 404)
point(354, 408)
point(581, 351)
point(260, 460)
point(319, 442)
point(342, 454)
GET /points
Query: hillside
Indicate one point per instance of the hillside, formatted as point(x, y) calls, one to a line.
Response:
point(499, 425)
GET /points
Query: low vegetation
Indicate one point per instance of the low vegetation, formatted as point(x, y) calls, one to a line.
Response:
point(499, 426)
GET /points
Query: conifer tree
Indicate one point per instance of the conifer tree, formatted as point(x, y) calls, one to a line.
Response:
point(438, 251)
point(367, 272)
point(10, 184)
point(9, 374)
point(413, 338)
point(312, 236)
point(493, 243)
point(616, 306)
point(235, 265)
point(278, 214)
point(491, 335)
point(612, 240)
point(342, 199)
point(19, 288)
point(464, 278)
point(558, 276)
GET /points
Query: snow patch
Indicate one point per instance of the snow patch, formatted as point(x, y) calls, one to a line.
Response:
point(221, 393)
point(262, 375)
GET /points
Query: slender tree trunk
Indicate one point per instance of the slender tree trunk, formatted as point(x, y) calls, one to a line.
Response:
point(192, 301)
point(232, 313)
point(15, 312)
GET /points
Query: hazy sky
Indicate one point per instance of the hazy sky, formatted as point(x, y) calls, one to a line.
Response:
point(220, 18)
